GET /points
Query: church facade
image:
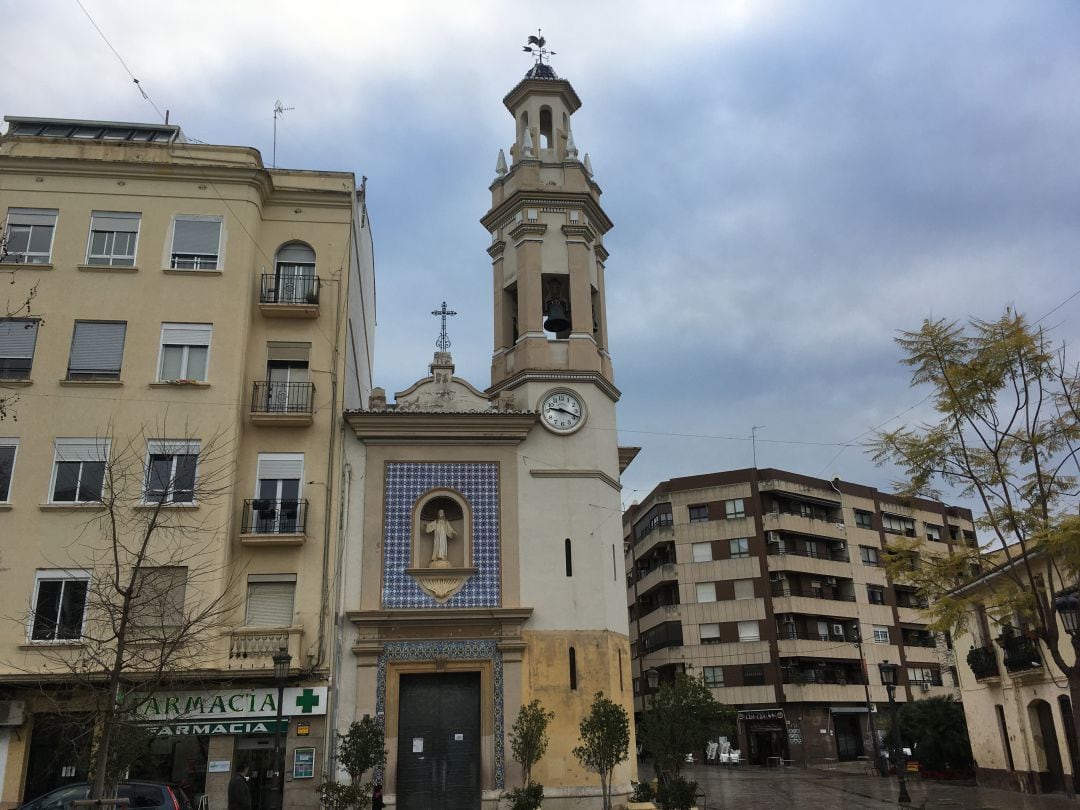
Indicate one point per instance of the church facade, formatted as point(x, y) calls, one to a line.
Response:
point(483, 562)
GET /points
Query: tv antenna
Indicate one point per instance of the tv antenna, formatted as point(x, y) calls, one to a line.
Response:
point(753, 440)
point(279, 111)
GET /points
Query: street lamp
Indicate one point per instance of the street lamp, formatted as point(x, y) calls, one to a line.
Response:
point(1067, 604)
point(879, 760)
point(652, 677)
point(282, 661)
point(888, 677)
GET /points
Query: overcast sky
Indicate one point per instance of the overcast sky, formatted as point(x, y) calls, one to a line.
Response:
point(791, 183)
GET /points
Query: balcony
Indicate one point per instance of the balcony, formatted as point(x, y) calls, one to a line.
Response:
point(284, 404)
point(253, 648)
point(799, 523)
point(983, 663)
point(274, 523)
point(790, 588)
point(1021, 654)
point(807, 673)
point(668, 572)
point(289, 296)
point(788, 547)
point(659, 615)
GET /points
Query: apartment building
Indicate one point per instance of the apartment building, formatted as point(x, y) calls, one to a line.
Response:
point(770, 586)
point(1018, 708)
point(173, 358)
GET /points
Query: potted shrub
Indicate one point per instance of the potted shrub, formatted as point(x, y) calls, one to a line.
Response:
point(677, 793)
point(528, 742)
point(642, 797)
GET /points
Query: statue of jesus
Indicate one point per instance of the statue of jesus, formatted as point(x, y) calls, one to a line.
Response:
point(442, 531)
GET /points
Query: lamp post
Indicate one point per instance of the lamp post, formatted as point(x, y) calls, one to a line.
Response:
point(879, 760)
point(282, 661)
point(888, 677)
point(1067, 604)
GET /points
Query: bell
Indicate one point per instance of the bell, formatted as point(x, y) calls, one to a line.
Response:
point(557, 321)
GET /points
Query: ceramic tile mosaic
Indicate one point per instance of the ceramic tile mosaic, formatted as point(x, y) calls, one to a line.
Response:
point(466, 650)
point(478, 483)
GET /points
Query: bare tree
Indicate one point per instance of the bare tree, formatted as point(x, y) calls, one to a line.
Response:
point(17, 304)
point(157, 590)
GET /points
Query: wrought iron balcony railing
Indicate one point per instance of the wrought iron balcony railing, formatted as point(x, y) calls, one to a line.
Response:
point(289, 289)
point(1021, 653)
point(265, 516)
point(268, 396)
point(983, 662)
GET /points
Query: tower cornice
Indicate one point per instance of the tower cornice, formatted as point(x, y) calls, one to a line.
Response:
point(520, 199)
point(543, 87)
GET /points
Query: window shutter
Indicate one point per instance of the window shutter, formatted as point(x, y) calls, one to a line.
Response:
point(748, 631)
point(17, 337)
point(196, 236)
point(288, 351)
point(82, 449)
point(270, 604)
point(296, 254)
point(173, 447)
point(280, 465)
point(710, 631)
point(186, 334)
point(114, 221)
point(97, 346)
point(744, 589)
point(31, 216)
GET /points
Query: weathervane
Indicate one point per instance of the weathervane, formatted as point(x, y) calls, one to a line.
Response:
point(537, 49)
point(443, 343)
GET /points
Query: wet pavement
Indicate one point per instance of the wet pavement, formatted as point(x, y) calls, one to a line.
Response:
point(750, 788)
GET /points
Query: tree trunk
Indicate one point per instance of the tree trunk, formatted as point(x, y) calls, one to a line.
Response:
point(604, 790)
point(1073, 743)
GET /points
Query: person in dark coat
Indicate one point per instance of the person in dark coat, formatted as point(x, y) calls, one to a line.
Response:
point(239, 792)
point(376, 797)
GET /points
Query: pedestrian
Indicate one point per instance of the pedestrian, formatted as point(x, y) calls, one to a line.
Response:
point(239, 792)
point(376, 797)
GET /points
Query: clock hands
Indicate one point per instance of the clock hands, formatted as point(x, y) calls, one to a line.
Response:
point(557, 408)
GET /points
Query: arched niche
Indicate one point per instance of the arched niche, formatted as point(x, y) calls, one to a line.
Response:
point(442, 554)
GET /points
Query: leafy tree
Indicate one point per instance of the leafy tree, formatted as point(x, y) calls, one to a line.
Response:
point(937, 733)
point(360, 750)
point(605, 741)
point(680, 718)
point(528, 737)
point(1006, 434)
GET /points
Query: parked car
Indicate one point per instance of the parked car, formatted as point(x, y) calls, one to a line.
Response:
point(143, 795)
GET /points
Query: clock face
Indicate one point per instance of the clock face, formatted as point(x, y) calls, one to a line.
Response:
point(562, 411)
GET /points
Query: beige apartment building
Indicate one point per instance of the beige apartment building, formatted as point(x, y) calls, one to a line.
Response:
point(181, 364)
point(1017, 703)
point(770, 586)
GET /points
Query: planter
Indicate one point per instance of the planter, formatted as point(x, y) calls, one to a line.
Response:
point(640, 806)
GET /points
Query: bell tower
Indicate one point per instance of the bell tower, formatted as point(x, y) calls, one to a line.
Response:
point(547, 230)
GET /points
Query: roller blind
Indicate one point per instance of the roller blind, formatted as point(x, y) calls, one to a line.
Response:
point(82, 449)
point(114, 221)
point(186, 334)
point(97, 346)
point(200, 236)
point(296, 254)
point(281, 465)
point(270, 604)
point(288, 351)
point(173, 447)
point(31, 216)
point(17, 337)
point(709, 631)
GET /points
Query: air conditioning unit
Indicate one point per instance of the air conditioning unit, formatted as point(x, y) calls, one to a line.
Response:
point(12, 712)
point(838, 630)
point(924, 686)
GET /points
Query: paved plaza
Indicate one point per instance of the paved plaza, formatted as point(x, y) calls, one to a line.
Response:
point(750, 788)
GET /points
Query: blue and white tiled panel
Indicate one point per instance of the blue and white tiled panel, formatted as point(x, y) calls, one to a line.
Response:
point(406, 482)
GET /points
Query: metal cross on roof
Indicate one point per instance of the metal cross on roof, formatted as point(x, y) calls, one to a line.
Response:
point(443, 343)
point(536, 47)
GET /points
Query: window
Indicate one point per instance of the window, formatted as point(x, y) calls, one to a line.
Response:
point(287, 386)
point(30, 235)
point(573, 668)
point(714, 676)
point(79, 470)
point(185, 349)
point(170, 470)
point(869, 555)
point(875, 594)
point(270, 600)
point(881, 634)
point(699, 513)
point(744, 589)
point(97, 347)
point(702, 552)
point(709, 633)
point(933, 532)
point(706, 592)
point(7, 467)
point(18, 336)
point(922, 675)
point(59, 605)
point(112, 238)
point(568, 552)
point(898, 525)
point(196, 243)
point(748, 631)
point(753, 675)
point(734, 509)
point(864, 519)
point(739, 547)
point(277, 508)
point(157, 606)
point(294, 281)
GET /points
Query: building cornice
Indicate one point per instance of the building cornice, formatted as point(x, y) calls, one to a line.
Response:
point(576, 377)
point(426, 427)
point(568, 473)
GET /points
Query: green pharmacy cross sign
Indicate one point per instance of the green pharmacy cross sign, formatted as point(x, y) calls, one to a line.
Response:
point(307, 701)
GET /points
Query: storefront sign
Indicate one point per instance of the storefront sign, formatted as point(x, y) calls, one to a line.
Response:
point(232, 704)
point(218, 766)
point(762, 714)
point(238, 727)
point(303, 763)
